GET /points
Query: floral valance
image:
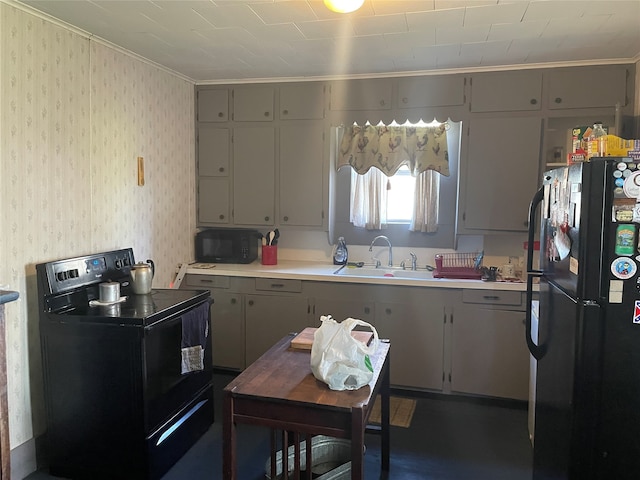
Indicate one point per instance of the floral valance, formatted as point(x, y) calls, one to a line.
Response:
point(387, 148)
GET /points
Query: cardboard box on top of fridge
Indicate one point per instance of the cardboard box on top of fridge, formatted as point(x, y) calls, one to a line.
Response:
point(620, 147)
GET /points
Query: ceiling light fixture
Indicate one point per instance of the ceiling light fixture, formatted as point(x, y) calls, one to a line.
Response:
point(343, 6)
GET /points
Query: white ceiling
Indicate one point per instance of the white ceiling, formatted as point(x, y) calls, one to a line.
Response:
point(213, 41)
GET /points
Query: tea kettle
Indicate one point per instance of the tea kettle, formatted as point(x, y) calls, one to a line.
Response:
point(141, 277)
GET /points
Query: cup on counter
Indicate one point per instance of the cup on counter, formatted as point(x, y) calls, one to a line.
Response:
point(269, 255)
point(507, 270)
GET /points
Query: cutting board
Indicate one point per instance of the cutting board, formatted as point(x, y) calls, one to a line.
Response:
point(304, 339)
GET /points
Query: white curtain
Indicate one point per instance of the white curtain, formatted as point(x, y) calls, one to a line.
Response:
point(369, 200)
point(425, 203)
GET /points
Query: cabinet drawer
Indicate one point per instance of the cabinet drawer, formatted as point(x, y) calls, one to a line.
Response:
point(492, 297)
point(278, 285)
point(207, 281)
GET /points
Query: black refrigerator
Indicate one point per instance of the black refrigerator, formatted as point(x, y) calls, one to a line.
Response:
point(587, 410)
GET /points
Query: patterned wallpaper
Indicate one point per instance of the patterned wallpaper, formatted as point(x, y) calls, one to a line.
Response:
point(74, 115)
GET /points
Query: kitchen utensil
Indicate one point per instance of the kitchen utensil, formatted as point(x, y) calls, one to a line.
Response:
point(141, 277)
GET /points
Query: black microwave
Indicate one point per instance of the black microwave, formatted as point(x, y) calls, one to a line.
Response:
point(227, 245)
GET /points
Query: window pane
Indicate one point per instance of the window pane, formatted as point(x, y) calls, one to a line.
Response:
point(400, 196)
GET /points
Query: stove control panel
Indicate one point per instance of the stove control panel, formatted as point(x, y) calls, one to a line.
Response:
point(72, 273)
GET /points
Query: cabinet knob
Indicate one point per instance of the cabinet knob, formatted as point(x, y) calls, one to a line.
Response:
point(220, 114)
point(367, 310)
point(285, 112)
point(405, 100)
point(285, 218)
point(221, 169)
point(250, 302)
point(387, 311)
point(266, 219)
point(382, 103)
point(233, 301)
point(558, 100)
point(266, 114)
point(526, 223)
point(221, 216)
point(533, 101)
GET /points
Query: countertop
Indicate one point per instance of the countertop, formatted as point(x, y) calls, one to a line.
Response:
point(7, 296)
point(323, 272)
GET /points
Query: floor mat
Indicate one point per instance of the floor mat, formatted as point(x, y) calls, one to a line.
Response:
point(400, 411)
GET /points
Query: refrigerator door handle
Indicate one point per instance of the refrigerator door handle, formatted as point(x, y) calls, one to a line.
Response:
point(538, 351)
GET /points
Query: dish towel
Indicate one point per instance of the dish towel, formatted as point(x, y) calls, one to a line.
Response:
point(195, 330)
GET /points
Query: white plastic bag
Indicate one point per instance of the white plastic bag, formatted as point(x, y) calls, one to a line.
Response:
point(338, 359)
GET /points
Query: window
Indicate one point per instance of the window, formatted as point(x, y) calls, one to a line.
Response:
point(400, 191)
point(405, 184)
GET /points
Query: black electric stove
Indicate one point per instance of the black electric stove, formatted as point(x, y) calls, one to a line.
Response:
point(119, 403)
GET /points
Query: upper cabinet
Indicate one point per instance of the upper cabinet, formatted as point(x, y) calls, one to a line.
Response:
point(302, 101)
point(253, 104)
point(506, 91)
point(434, 91)
point(301, 174)
point(501, 173)
point(587, 87)
point(213, 105)
point(370, 94)
point(254, 176)
point(213, 151)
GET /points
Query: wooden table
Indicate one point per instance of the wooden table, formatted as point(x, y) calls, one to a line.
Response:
point(279, 391)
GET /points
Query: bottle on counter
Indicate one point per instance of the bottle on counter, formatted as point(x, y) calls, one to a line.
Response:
point(340, 253)
point(597, 141)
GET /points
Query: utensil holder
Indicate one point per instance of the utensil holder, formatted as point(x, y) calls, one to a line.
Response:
point(269, 255)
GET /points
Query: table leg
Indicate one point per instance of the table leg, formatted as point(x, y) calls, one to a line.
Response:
point(384, 416)
point(357, 443)
point(229, 438)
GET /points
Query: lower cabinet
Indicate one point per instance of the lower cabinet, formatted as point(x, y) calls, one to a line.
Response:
point(412, 318)
point(227, 330)
point(489, 354)
point(447, 340)
point(416, 332)
point(268, 318)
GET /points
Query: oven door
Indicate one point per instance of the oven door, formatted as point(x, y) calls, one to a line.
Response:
point(166, 388)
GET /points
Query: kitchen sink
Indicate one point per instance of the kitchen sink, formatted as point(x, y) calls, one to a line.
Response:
point(421, 274)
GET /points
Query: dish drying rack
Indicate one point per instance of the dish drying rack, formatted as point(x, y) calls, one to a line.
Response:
point(459, 265)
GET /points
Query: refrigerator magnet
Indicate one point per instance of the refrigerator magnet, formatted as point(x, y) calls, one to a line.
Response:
point(623, 268)
point(636, 312)
point(631, 185)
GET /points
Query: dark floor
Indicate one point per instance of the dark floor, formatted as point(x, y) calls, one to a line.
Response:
point(449, 439)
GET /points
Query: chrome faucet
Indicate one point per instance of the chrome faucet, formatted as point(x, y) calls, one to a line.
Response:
point(388, 243)
point(414, 261)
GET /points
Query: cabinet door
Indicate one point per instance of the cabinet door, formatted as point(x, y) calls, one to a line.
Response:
point(302, 102)
point(489, 353)
point(268, 318)
point(254, 176)
point(416, 332)
point(586, 87)
point(227, 330)
point(213, 151)
point(301, 174)
point(430, 91)
point(506, 91)
point(213, 105)
point(503, 160)
point(213, 200)
point(339, 309)
point(253, 104)
point(370, 94)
